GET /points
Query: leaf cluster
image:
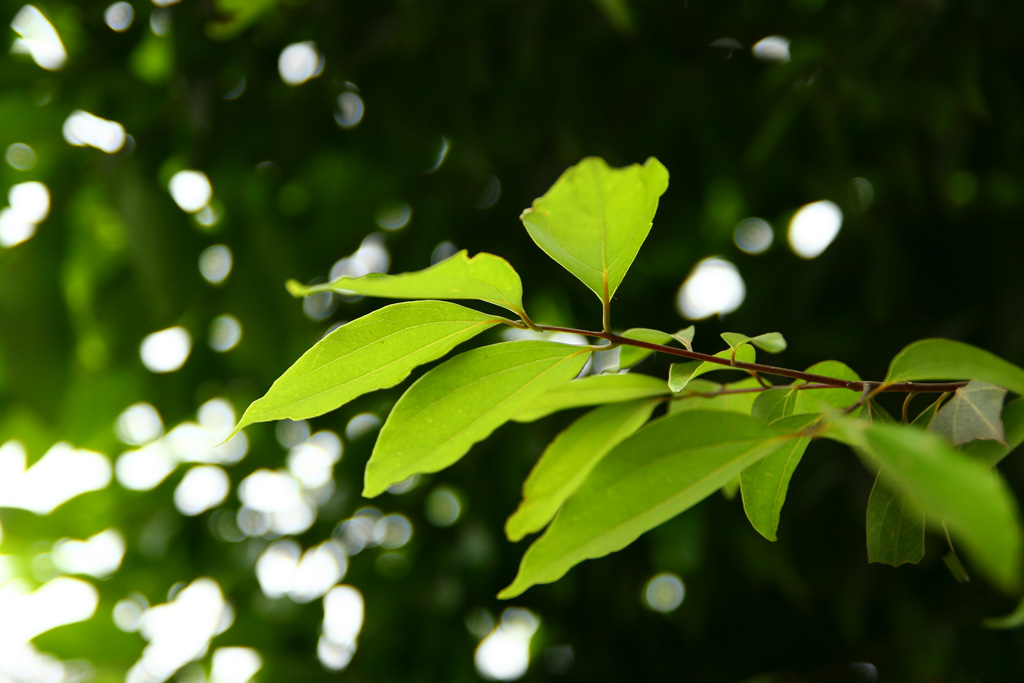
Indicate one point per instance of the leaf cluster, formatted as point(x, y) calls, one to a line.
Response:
point(651, 448)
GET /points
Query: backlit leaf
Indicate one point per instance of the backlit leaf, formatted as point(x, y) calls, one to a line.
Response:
point(765, 483)
point(973, 413)
point(374, 352)
point(668, 466)
point(972, 500)
point(936, 359)
point(569, 459)
point(895, 528)
point(826, 400)
point(992, 452)
point(680, 374)
point(594, 218)
point(462, 401)
point(484, 277)
point(591, 391)
point(1014, 619)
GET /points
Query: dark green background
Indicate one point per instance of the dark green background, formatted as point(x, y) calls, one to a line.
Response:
point(923, 98)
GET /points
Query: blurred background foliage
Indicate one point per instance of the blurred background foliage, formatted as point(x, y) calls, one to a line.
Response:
point(347, 137)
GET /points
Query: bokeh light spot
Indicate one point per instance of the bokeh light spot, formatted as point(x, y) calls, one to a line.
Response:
point(166, 350)
point(203, 487)
point(813, 227)
point(753, 235)
point(215, 263)
point(190, 190)
point(713, 287)
point(664, 592)
point(299, 62)
point(443, 506)
point(350, 111)
point(225, 333)
point(38, 38)
point(119, 16)
point(139, 424)
point(30, 201)
point(504, 655)
point(20, 156)
point(83, 129)
point(772, 49)
point(393, 216)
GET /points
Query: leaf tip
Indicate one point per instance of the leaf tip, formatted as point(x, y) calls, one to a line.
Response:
point(296, 288)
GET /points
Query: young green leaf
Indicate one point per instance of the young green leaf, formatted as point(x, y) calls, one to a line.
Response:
point(933, 359)
point(591, 391)
point(668, 466)
point(895, 528)
point(973, 413)
point(971, 499)
point(772, 342)
point(992, 452)
point(594, 218)
point(774, 404)
point(631, 355)
point(765, 483)
point(374, 352)
point(462, 401)
point(680, 374)
point(925, 417)
point(569, 459)
point(737, 403)
point(484, 277)
point(685, 337)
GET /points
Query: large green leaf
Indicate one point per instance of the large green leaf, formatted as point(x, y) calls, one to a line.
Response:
point(765, 483)
point(680, 374)
point(592, 391)
point(665, 468)
point(484, 277)
point(895, 528)
point(374, 352)
point(594, 218)
point(973, 413)
point(737, 403)
point(933, 359)
point(992, 452)
point(971, 499)
point(462, 401)
point(570, 458)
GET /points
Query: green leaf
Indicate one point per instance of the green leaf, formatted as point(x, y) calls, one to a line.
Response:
point(737, 403)
point(992, 452)
point(680, 374)
point(374, 352)
point(568, 460)
point(895, 528)
point(484, 277)
point(685, 337)
point(591, 391)
point(631, 355)
point(827, 400)
point(668, 466)
point(973, 413)
point(971, 499)
point(936, 359)
point(772, 342)
point(462, 401)
point(594, 218)
point(925, 417)
point(774, 404)
point(1014, 619)
point(765, 483)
